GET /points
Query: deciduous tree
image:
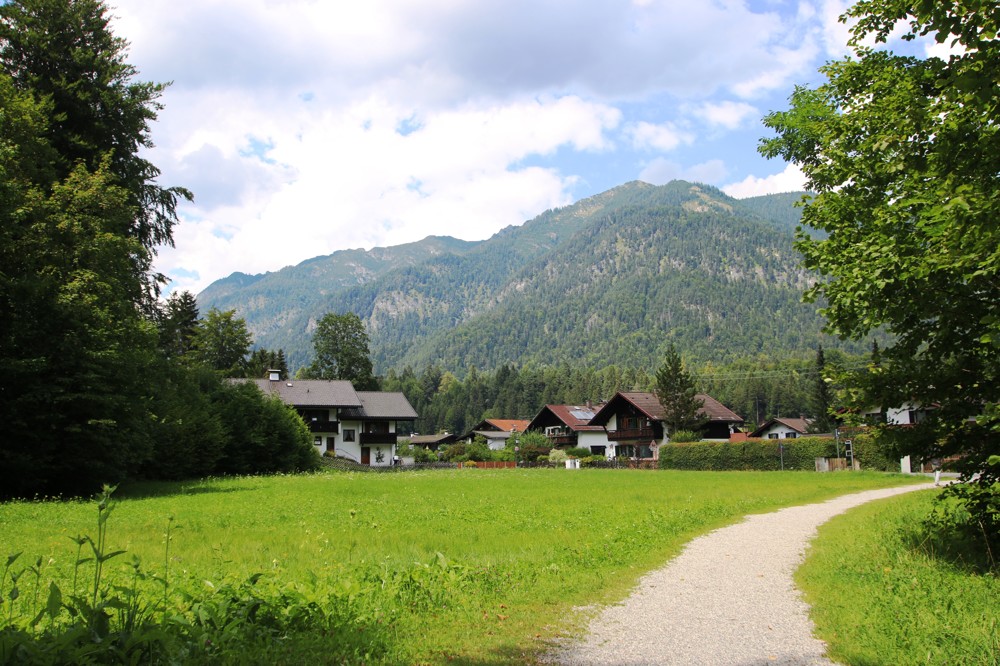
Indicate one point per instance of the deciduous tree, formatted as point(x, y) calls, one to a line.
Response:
point(341, 346)
point(903, 154)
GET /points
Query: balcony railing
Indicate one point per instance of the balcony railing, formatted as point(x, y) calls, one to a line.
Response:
point(563, 440)
point(377, 438)
point(324, 426)
point(631, 433)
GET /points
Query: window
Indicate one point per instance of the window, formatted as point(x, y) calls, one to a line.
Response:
point(772, 435)
point(791, 435)
point(348, 434)
point(318, 441)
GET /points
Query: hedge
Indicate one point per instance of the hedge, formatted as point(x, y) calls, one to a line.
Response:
point(751, 454)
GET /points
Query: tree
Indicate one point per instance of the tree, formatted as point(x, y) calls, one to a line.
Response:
point(178, 324)
point(341, 346)
point(63, 52)
point(222, 342)
point(821, 399)
point(904, 157)
point(677, 394)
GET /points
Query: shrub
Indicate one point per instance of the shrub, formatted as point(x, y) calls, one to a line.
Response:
point(532, 452)
point(557, 456)
point(469, 463)
point(578, 452)
point(751, 454)
point(684, 436)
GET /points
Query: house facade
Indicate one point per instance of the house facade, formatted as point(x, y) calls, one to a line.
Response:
point(356, 425)
point(568, 426)
point(635, 429)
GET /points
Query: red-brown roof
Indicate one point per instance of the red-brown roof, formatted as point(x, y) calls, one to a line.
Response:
point(649, 404)
point(508, 425)
point(575, 417)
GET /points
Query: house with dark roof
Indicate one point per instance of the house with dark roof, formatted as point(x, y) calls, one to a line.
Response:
point(782, 428)
point(635, 428)
point(357, 425)
point(568, 426)
point(496, 431)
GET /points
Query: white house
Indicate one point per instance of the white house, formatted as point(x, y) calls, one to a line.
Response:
point(782, 428)
point(357, 425)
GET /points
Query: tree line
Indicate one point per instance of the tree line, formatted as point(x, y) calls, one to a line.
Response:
point(99, 383)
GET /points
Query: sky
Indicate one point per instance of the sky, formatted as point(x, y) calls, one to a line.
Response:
point(304, 127)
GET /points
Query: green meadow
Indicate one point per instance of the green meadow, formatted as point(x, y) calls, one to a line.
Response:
point(461, 566)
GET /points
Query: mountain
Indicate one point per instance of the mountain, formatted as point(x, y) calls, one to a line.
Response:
point(608, 280)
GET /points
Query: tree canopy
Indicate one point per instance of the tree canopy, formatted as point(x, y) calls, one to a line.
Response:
point(341, 345)
point(903, 154)
point(678, 395)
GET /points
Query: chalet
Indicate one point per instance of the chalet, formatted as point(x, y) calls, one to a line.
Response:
point(360, 426)
point(568, 426)
point(635, 428)
point(496, 431)
point(783, 428)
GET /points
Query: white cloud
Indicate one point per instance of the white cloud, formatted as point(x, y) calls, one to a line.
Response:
point(727, 114)
point(304, 127)
point(790, 180)
point(650, 136)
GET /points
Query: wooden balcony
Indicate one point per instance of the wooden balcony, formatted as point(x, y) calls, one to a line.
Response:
point(324, 426)
point(563, 440)
point(368, 438)
point(646, 434)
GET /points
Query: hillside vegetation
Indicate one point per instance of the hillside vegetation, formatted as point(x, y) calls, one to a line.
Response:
point(609, 280)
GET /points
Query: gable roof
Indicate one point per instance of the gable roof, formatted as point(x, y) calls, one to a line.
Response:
point(799, 425)
point(311, 392)
point(575, 417)
point(380, 405)
point(649, 405)
point(506, 425)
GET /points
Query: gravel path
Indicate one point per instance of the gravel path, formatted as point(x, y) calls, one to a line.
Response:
point(728, 598)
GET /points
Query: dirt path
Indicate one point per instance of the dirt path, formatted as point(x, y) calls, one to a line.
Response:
point(727, 599)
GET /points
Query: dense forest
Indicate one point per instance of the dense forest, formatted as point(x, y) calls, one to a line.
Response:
point(608, 281)
point(102, 381)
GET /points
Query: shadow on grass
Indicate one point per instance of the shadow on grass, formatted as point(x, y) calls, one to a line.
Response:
point(148, 489)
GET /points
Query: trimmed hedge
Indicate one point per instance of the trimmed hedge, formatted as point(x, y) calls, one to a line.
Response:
point(871, 455)
point(751, 454)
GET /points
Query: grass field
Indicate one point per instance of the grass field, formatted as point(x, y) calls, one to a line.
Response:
point(459, 566)
point(885, 591)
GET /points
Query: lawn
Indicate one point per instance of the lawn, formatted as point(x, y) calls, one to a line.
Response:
point(884, 590)
point(461, 566)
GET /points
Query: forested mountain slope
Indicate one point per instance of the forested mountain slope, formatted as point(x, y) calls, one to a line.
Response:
point(608, 280)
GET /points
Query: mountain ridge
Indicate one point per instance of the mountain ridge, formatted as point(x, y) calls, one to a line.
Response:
point(608, 279)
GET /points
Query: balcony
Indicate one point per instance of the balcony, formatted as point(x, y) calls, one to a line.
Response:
point(368, 438)
point(631, 433)
point(315, 425)
point(563, 439)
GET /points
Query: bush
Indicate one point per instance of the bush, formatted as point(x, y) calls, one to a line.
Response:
point(532, 452)
point(751, 454)
point(557, 456)
point(578, 452)
point(684, 436)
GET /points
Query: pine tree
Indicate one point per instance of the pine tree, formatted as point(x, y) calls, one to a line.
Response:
point(677, 394)
point(821, 399)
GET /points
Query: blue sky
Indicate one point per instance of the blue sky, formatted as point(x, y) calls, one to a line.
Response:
point(308, 126)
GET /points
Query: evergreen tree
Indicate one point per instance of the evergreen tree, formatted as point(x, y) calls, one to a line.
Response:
point(677, 394)
point(821, 399)
point(178, 324)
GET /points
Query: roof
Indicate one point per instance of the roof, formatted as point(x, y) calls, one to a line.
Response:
point(311, 392)
point(799, 425)
point(380, 405)
point(575, 417)
point(440, 438)
point(650, 406)
point(508, 425)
